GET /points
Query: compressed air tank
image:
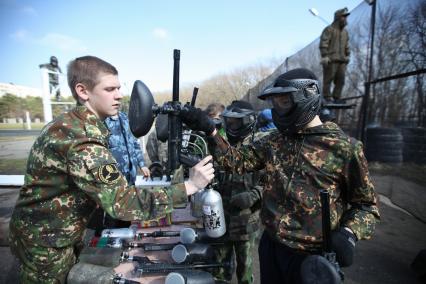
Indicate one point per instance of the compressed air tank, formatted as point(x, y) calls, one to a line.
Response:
point(213, 214)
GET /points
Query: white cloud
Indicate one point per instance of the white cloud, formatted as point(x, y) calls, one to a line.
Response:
point(63, 42)
point(160, 33)
point(20, 35)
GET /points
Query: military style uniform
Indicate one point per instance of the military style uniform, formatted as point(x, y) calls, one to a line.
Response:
point(296, 169)
point(70, 172)
point(242, 219)
point(334, 44)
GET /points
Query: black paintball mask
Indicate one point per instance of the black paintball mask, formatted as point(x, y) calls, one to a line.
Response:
point(239, 119)
point(295, 98)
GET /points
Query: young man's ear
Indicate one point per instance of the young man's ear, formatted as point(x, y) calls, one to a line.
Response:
point(82, 92)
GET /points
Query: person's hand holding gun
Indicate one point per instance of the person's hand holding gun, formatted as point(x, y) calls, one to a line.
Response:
point(200, 175)
point(196, 119)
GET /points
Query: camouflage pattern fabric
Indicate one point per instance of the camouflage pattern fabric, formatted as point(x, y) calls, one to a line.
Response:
point(124, 146)
point(156, 150)
point(328, 160)
point(243, 256)
point(69, 172)
point(242, 221)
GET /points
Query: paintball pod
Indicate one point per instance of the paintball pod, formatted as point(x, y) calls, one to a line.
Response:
point(323, 269)
point(143, 110)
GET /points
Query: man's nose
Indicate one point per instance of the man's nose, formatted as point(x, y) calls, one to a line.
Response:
point(118, 95)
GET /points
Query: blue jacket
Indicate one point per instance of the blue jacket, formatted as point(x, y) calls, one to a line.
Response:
point(124, 146)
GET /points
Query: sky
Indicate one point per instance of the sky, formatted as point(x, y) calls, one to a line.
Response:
point(139, 36)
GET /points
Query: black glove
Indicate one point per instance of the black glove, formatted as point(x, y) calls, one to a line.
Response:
point(243, 200)
point(343, 244)
point(196, 119)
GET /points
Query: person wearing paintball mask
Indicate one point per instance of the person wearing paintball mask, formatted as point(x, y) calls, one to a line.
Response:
point(241, 195)
point(301, 158)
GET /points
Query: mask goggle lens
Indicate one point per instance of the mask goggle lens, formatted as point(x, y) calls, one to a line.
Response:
point(233, 123)
point(283, 103)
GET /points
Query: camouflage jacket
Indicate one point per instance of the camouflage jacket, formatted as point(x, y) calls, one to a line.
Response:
point(334, 43)
point(124, 146)
point(70, 171)
point(241, 223)
point(321, 157)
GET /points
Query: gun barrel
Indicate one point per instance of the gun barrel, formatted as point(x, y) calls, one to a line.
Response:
point(194, 96)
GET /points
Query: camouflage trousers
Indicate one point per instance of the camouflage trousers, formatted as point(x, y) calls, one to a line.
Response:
point(41, 264)
point(333, 72)
point(243, 257)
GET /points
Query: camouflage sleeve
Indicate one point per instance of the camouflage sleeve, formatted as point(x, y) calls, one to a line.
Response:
point(245, 159)
point(363, 214)
point(325, 42)
point(95, 172)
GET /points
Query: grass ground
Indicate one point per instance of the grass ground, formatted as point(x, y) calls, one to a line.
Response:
point(20, 126)
point(13, 166)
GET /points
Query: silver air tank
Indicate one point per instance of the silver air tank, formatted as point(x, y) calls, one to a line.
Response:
point(213, 215)
point(197, 204)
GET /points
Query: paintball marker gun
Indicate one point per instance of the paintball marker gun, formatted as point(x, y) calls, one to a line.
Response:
point(323, 269)
point(143, 110)
point(146, 266)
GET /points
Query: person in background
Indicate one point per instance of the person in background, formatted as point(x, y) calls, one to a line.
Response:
point(264, 120)
point(129, 156)
point(335, 54)
point(214, 111)
point(301, 158)
point(241, 195)
point(125, 148)
point(156, 145)
point(54, 71)
point(70, 172)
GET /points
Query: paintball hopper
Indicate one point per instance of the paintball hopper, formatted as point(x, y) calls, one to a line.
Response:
point(141, 115)
point(190, 235)
point(190, 253)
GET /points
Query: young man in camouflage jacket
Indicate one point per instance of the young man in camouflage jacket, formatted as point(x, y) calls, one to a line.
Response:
point(70, 172)
point(300, 158)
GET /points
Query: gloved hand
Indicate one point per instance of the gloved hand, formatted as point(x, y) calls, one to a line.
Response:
point(325, 60)
point(245, 200)
point(343, 243)
point(196, 119)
